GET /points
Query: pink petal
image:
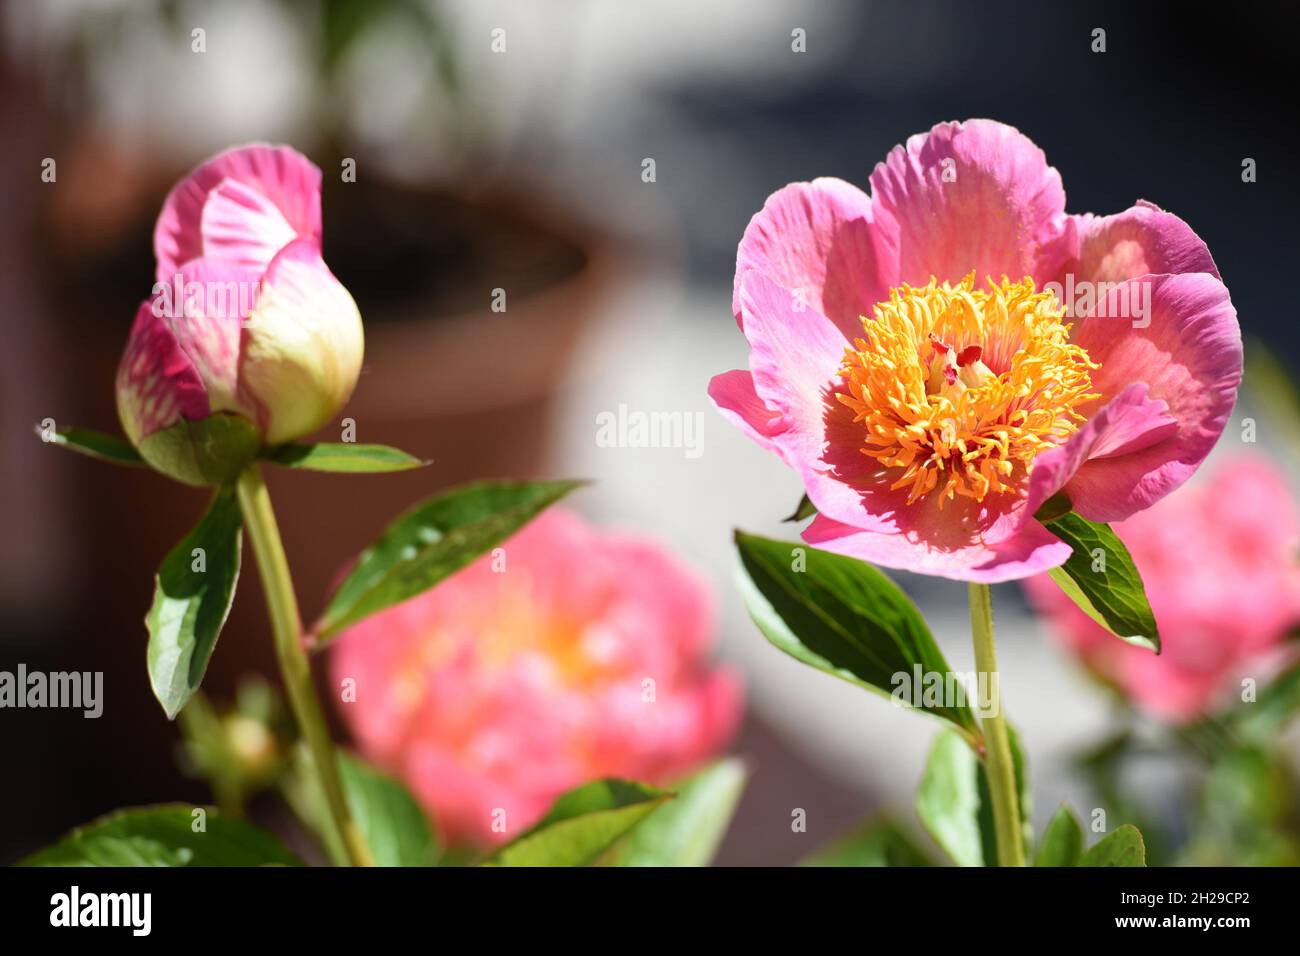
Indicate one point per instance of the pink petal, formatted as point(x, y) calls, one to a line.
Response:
point(157, 384)
point(1189, 357)
point(241, 225)
point(281, 175)
point(1143, 240)
point(961, 557)
point(796, 357)
point(1000, 212)
point(734, 396)
point(816, 241)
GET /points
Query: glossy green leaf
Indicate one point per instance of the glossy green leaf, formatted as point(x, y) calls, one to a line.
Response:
point(844, 617)
point(392, 822)
point(1112, 595)
point(582, 825)
point(954, 804)
point(1122, 847)
point(110, 448)
point(687, 830)
point(1062, 843)
point(193, 591)
point(882, 842)
point(805, 509)
point(344, 457)
point(432, 541)
point(165, 835)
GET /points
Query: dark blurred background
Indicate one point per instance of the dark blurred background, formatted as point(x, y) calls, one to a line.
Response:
point(523, 170)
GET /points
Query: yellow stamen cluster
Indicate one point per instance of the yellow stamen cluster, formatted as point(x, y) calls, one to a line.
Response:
point(974, 430)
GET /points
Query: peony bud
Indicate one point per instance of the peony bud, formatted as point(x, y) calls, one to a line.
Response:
point(249, 340)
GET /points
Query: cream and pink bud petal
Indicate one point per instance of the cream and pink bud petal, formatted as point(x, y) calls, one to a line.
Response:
point(1143, 240)
point(256, 191)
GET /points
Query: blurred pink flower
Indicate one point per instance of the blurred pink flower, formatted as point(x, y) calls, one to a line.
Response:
point(245, 317)
point(912, 355)
point(582, 655)
point(1220, 564)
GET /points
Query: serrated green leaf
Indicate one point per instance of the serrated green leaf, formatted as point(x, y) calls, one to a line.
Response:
point(432, 541)
point(343, 457)
point(1113, 597)
point(1062, 843)
point(193, 591)
point(1122, 847)
point(109, 448)
point(165, 835)
point(686, 830)
point(582, 825)
point(846, 618)
point(882, 842)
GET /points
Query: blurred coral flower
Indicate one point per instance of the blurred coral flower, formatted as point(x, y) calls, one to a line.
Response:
point(912, 354)
point(248, 339)
point(565, 656)
point(1219, 561)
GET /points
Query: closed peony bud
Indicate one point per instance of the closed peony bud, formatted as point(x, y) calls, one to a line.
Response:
point(249, 339)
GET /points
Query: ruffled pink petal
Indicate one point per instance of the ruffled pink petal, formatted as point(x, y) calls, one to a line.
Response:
point(734, 396)
point(1187, 352)
point(974, 196)
point(281, 175)
point(1143, 240)
point(157, 383)
point(242, 226)
point(795, 357)
point(816, 240)
point(951, 554)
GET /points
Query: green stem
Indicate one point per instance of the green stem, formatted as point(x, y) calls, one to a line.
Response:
point(286, 625)
point(1000, 765)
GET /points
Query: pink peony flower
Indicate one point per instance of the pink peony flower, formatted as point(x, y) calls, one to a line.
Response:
point(1219, 561)
point(245, 319)
point(568, 656)
point(911, 354)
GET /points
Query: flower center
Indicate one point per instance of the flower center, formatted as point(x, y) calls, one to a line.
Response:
point(960, 388)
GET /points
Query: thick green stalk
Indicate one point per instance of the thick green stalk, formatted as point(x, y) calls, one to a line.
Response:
point(286, 625)
point(999, 764)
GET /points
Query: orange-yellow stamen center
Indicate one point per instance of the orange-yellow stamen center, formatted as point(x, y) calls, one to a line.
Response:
point(959, 388)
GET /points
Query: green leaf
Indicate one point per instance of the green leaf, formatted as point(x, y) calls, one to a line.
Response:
point(432, 541)
point(1122, 847)
point(882, 842)
point(686, 830)
point(344, 457)
point(392, 822)
point(582, 824)
point(193, 591)
point(110, 448)
point(1113, 597)
point(805, 509)
point(846, 618)
point(1062, 843)
point(948, 800)
point(954, 804)
point(165, 835)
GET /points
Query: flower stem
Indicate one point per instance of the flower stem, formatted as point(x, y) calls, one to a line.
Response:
point(1000, 766)
point(286, 626)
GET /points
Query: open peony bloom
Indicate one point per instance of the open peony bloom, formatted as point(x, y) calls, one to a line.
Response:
point(1219, 561)
point(939, 358)
point(567, 656)
point(248, 338)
